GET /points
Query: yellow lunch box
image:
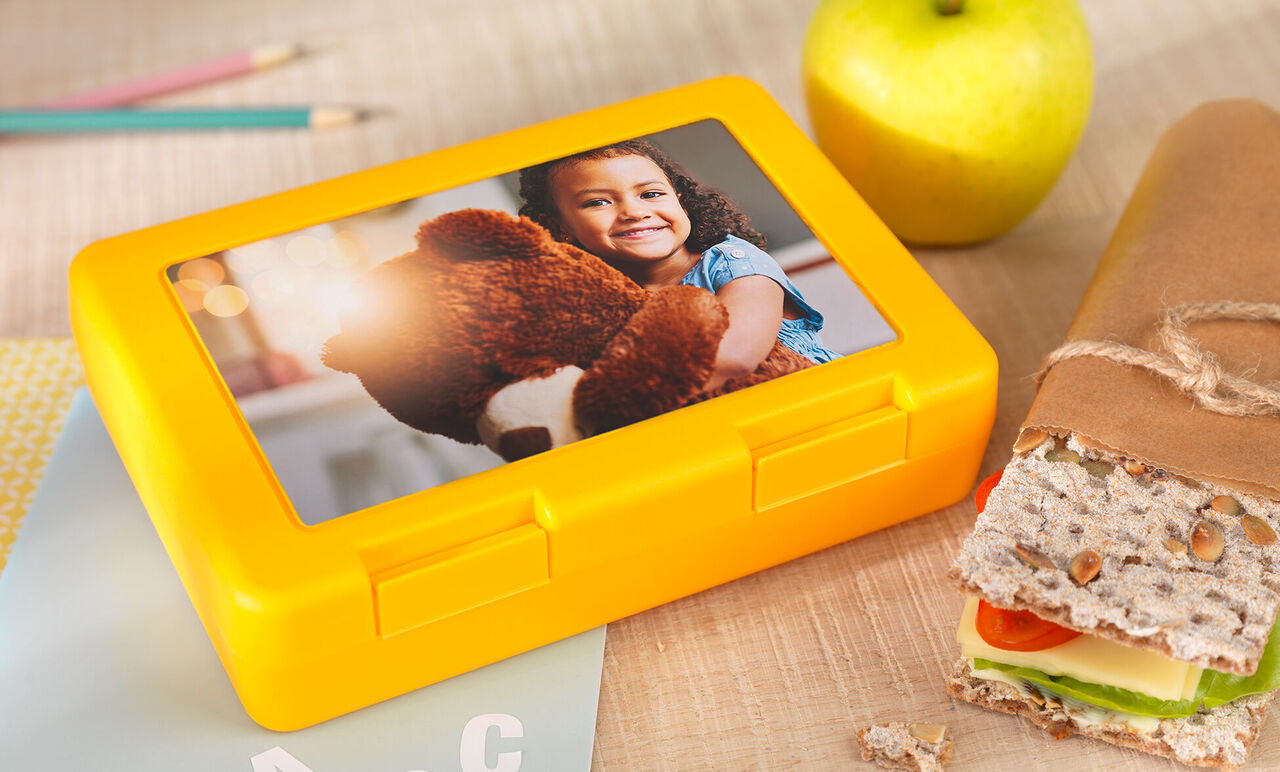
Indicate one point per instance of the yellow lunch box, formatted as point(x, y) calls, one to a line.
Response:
point(319, 601)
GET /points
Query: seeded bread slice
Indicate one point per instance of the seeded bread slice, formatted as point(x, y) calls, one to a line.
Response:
point(1222, 737)
point(895, 746)
point(1152, 591)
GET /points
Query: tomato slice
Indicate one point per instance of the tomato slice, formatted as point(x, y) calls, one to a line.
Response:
point(985, 488)
point(1014, 630)
point(1019, 630)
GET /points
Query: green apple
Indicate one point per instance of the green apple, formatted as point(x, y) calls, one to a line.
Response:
point(951, 118)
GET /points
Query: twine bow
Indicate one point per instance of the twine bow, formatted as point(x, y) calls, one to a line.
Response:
point(1196, 373)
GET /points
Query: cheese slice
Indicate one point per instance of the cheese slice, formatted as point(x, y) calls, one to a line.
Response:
point(1091, 659)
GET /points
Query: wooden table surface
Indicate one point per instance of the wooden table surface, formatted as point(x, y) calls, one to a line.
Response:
point(776, 670)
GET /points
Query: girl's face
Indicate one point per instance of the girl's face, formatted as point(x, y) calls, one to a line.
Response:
point(621, 208)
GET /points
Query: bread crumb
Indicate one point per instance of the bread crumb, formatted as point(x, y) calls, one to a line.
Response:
point(893, 746)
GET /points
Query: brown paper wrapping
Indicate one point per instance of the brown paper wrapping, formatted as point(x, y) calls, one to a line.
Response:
point(1202, 225)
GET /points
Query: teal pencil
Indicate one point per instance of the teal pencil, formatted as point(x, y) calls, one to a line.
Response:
point(147, 119)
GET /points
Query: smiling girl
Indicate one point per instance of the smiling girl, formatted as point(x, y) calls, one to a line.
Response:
point(643, 214)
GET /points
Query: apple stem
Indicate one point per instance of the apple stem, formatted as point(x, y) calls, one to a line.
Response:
point(949, 7)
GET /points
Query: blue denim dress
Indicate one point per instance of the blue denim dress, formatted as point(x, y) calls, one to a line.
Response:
point(734, 258)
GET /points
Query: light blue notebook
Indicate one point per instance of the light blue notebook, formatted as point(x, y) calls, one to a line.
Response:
point(105, 666)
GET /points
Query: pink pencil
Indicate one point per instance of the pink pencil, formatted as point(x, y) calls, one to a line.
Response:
point(174, 80)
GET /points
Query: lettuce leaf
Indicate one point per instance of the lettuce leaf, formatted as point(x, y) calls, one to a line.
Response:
point(1220, 688)
point(1109, 697)
point(1215, 688)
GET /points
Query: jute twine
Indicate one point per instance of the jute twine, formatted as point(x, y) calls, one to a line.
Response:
point(1196, 373)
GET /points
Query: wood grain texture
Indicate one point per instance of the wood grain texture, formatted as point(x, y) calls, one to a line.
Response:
point(776, 670)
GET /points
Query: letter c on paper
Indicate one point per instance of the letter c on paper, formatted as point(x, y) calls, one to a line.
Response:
point(471, 752)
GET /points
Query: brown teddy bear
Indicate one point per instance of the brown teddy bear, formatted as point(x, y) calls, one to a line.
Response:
point(492, 331)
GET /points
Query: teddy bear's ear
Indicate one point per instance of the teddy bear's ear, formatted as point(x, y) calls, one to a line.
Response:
point(341, 354)
point(484, 234)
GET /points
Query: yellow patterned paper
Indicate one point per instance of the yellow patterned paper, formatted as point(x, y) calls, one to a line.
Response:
point(38, 376)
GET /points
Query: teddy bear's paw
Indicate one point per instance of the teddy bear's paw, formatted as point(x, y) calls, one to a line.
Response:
point(532, 415)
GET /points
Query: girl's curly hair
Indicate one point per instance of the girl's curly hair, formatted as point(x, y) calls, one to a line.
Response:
point(712, 214)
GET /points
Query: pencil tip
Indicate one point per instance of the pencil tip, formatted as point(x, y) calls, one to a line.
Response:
point(324, 117)
point(270, 56)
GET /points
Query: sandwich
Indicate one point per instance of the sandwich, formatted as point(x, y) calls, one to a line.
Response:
point(1111, 599)
point(1123, 575)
